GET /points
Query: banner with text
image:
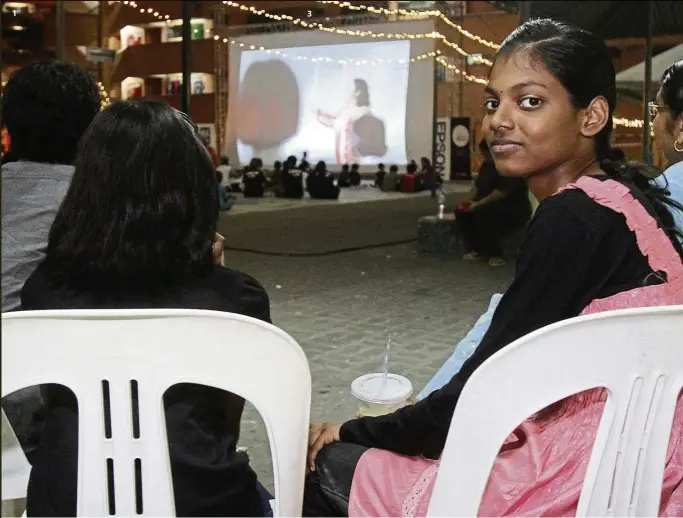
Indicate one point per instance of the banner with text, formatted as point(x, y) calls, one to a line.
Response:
point(442, 147)
point(460, 149)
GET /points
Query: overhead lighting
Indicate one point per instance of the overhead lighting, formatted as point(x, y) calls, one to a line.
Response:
point(18, 28)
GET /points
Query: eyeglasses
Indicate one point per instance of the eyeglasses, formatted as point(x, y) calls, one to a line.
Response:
point(654, 109)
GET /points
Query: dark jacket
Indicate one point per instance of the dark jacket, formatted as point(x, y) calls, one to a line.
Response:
point(209, 477)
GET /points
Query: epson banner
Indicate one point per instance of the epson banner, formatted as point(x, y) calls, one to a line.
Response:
point(442, 147)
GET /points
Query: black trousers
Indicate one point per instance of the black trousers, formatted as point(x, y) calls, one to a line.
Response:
point(327, 489)
point(483, 230)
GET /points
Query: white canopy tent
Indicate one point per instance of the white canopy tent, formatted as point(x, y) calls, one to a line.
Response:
point(632, 78)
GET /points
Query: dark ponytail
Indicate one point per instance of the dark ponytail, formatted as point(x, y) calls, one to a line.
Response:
point(644, 178)
point(580, 61)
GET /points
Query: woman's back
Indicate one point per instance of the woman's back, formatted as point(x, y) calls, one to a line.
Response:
point(203, 423)
point(137, 229)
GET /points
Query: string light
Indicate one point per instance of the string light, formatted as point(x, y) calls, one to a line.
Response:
point(468, 77)
point(149, 10)
point(628, 123)
point(104, 96)
point(414, 14)
point(358, 33)
point(327, 59)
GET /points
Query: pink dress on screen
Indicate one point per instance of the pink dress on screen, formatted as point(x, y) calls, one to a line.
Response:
point(541, 468)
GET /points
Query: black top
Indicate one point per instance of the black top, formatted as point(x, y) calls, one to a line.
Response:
point(203, 423)
point(292, 183)
point(574, 251)
point(489, 180)
point(254, 184)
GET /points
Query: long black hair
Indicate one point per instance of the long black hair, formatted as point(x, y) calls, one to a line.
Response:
point(361, 86)
point(142, 207)
point(580, 61)
point(672, 89)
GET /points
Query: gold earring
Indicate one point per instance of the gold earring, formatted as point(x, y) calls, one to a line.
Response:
point(676, 147)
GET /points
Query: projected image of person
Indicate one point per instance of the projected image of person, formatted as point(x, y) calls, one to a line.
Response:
point(357, 132)
point(268, 108)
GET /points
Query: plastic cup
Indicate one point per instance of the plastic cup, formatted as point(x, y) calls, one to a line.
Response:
point(378, 396)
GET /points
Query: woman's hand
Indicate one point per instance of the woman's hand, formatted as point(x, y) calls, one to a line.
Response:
point(218, 246)
point(319, 435)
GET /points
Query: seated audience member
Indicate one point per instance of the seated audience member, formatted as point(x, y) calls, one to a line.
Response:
point(379, 176)
point(225, 202)
point(226, 170)
point(495, 207)
point(409, 180)
point(668, 129)
point(428, 177)
point(354, 175)
point(320, 183)
point(601, 239)
point(46, 108)
point(276, 176)
point(253, 180)
point(292, 179)
point(206, 139)
point(344, 176)
point(151, 242)
point(391, 180)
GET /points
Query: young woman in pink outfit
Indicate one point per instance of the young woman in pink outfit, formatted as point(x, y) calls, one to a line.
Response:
point(602, 238)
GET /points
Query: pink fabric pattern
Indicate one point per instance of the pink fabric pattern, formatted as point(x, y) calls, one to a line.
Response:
point(542, 475)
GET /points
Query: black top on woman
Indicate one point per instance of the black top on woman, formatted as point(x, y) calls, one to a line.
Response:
point(137, 229)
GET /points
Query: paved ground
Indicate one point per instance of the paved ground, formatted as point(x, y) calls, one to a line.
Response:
point(362, 217)
point(342, 307)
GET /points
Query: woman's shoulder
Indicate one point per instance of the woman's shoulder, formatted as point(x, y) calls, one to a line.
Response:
point(242, 292)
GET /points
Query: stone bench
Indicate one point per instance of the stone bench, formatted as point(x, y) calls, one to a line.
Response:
point(438, 236)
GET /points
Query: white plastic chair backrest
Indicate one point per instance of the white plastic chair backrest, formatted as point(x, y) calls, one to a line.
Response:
point(15, 468)
point(158, 349)
point(636, 354)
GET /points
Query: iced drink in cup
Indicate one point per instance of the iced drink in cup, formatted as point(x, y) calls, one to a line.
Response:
point(379, 395)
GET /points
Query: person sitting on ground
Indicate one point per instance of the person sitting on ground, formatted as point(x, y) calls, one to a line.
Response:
point(495, 207)
point(391, 181)
point(320, 183)
point(138, 230)
point(427, 178)
point(354, 175)
point(292, 179)
point(379, 176)
point(276, 176)
point(304, 165)
point(601, 240)
point(206, 139)
point(225, 202)
point(344, 176)
point(46, 108)
point(668, 130)
point(226, 170)
point(409, 180)
point(253, 180)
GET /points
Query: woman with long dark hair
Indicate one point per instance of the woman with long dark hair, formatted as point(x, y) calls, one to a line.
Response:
point(358, 132)
point(667, 112)
point(137, 229)
point(602, 238)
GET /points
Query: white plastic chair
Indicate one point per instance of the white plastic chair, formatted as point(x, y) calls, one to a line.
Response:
point(15, 468)
point(159, 348)
point(636, 354)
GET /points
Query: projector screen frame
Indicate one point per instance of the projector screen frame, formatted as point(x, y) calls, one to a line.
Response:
point(420, 96)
